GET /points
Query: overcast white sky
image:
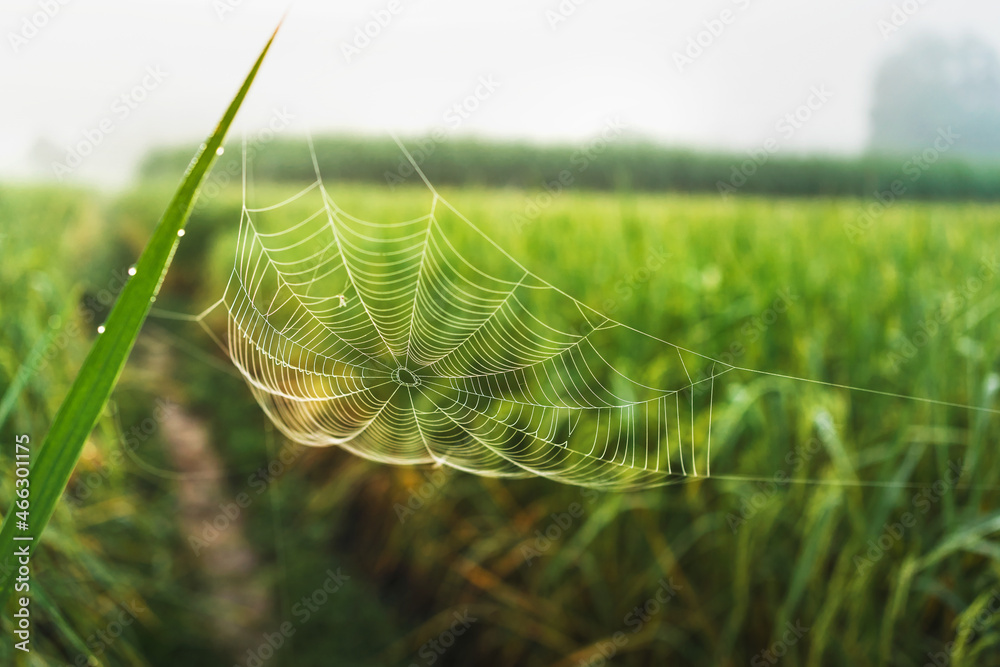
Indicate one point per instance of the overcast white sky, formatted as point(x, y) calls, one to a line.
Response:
point(607, 59)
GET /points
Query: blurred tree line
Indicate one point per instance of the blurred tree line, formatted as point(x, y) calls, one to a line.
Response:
point(931, 88)
point(627, 165)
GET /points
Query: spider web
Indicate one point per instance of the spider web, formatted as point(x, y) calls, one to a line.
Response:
point(384, 339)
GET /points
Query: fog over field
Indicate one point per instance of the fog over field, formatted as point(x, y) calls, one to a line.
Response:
point(720, 75)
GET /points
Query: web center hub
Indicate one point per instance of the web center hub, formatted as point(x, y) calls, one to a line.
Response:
point(405, 377)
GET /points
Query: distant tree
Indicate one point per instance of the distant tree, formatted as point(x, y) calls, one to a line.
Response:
point(933, 84)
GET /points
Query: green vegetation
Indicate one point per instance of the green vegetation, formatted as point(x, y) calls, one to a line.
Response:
point(53, 462)
point(864, 575)
point(619, 163)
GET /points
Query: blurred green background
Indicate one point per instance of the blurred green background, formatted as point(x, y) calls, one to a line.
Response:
point(193, 533)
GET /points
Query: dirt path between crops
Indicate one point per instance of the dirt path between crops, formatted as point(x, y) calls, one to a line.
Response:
point(239, 606)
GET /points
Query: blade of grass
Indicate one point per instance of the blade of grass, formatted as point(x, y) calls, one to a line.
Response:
point(54, 461)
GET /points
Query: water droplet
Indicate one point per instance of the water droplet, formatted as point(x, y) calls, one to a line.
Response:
point(220, 150)
point(100, 329)
point(131, 270)
point(180, 232)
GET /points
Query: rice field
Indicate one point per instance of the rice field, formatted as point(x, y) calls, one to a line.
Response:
point(842, 526)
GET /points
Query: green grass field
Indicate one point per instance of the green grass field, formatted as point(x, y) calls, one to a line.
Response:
point(877, 554)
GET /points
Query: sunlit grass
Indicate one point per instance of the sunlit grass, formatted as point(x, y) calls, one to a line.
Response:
point(713, 269)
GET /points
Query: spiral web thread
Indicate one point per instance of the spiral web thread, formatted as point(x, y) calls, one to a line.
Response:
point(384, 339)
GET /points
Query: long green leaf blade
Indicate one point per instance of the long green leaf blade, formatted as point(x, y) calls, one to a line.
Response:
point(54, 461)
